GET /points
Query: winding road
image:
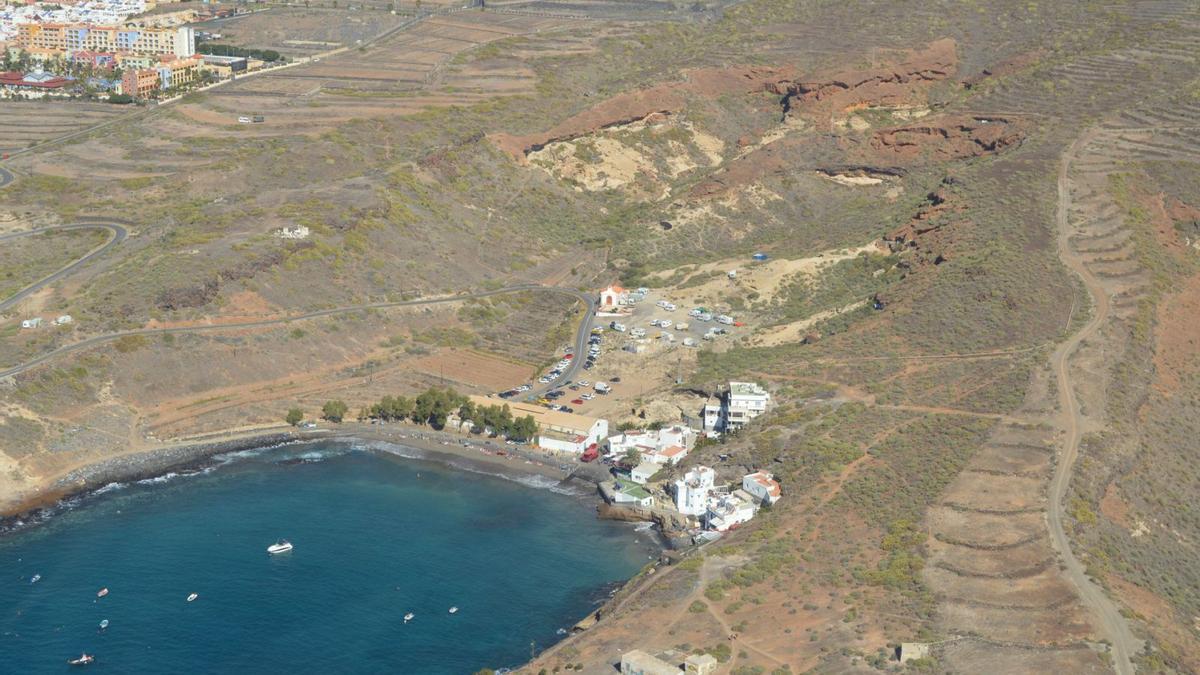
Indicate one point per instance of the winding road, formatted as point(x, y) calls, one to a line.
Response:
point(116, 230)
point(1105, 611)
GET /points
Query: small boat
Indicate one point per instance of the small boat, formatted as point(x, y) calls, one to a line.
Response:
point(281, 546)
point(102, 592)
point(561, 631)
point(83, 660)
point(104, 624)
point(454, 610)
point(408, 617)
point(193, 596)
point(35, 578)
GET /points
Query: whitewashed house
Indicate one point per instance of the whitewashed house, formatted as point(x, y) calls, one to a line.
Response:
point(32, 323)
point(691, 491)
point(742, 402)
point(642, 473)
point(727, 511)
point(666, 445)
point(63, 320)
point(762, 486)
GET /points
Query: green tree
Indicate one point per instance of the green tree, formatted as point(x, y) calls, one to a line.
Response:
point(633, 457)
point(334, 410)
point(294, 416)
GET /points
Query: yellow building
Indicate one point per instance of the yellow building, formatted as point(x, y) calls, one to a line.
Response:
point(178, 42)
point(178, 72)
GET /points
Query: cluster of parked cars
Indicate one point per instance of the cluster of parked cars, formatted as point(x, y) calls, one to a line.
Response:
point(515, 391)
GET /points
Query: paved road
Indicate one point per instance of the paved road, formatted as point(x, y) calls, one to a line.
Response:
point(580, 338)
point(6, 177)
point(116, 230)
point(581, 345)
point(1111, 622)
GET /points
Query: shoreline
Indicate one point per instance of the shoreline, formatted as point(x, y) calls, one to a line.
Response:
point(457, 451)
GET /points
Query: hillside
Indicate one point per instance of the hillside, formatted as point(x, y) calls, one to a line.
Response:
point(982, 229)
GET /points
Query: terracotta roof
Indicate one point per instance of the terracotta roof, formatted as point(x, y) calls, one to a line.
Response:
point(765, 480)
point(671, 451)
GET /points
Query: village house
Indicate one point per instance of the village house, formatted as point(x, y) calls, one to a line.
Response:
point(728, 510)
point(35, 322)
point(178, 72)
point(626, 492)
point(668, 445)
point(735, 407)
point(691, 491)
point(762, 486)
point(642, 473)
point(559, 431)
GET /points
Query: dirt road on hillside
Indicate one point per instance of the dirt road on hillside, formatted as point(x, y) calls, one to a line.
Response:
point(1105, 611)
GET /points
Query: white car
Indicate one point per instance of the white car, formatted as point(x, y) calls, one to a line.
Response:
point(584, 383)
point(588, 396)
point(665, 323)
point(670, 307)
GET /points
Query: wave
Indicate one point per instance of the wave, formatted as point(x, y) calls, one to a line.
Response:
point(158, 479)
point(111, 487)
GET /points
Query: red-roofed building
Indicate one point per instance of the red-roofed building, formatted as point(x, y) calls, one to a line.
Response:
point(16, 81)
point(762, 486)
point(612, 296)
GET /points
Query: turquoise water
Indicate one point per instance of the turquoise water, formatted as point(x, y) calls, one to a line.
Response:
point(375, 537)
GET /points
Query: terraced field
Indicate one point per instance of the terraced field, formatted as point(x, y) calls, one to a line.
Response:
point(25, 124)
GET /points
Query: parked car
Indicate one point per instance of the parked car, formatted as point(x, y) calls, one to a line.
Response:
point(576, 401)
point(588, 396)
point(584, 383)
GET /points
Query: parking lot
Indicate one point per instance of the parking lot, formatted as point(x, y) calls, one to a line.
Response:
point(640, 325)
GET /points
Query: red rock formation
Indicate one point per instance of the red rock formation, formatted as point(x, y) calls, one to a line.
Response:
point(946, 138)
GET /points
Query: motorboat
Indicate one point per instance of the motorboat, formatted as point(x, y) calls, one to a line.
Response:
point(408, 617)
point(281, 546)
point(35, 578)
point(454, 610)
point(102, 592)
point(104, 624)
point(192, 597)
point(83, 660)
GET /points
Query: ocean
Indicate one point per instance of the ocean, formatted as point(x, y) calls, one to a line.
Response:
point(375, 536)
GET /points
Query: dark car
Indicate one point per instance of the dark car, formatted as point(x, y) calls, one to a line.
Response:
point(615, 378)
point(566, 409)
point(587, 366)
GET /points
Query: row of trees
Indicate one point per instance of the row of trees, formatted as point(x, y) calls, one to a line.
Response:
point(268, 55)
point(433, 407)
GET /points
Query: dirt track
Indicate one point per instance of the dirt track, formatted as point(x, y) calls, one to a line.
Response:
point(1109, 618)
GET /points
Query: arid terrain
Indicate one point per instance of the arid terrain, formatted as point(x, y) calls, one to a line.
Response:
point(976, 315)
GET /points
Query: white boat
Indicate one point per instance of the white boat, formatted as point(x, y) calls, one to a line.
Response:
point(281, 546)
point(408, 617)
point(104, 624)
point(102, 592)
point(193, 596)
point(36, 578)
point(454, 610)
point(83, 660)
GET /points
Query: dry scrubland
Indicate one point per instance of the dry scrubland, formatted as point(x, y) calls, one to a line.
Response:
point(915, 432)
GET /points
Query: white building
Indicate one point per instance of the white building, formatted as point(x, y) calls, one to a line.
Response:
point(638, 662)
point(666, 445)
point(741, 403)
point(641, 473)
point(63, 320)
point(631, 493)
point(32, 323)
point(762, 486)
point(726, 511)
point(612, 298)
point(691, 491)
point(562, 431)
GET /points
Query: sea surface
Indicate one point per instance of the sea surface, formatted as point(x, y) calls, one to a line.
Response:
point(375, 537)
